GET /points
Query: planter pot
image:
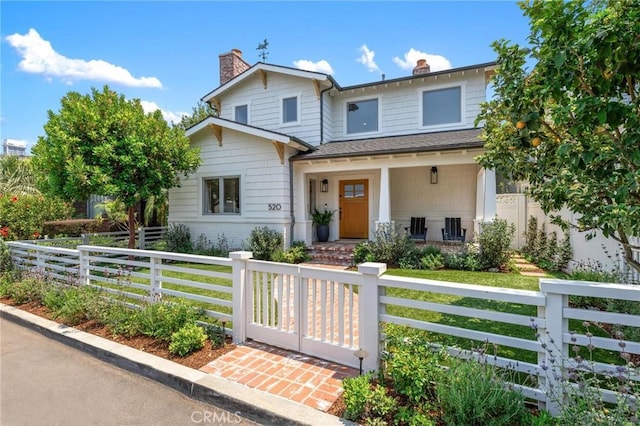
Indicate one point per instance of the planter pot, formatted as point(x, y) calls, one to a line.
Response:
point(322, 231)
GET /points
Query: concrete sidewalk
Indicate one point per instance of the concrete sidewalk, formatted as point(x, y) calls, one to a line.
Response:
point(253, 404)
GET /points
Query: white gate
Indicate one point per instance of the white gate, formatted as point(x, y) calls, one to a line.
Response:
point(316, 316)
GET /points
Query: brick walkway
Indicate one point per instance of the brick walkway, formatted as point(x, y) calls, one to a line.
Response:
point(291, 375)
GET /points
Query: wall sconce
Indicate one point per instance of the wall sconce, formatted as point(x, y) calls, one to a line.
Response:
point(324, 185)
point(434, 175)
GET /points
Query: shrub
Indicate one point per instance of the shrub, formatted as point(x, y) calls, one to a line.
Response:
point(362, 253)
point(474, 393)
point(297, 254)
point(22, 216)
point(73, 227)
point(70, 304)
point(390, 245)
point(29, 287)
point(495, 242)
point(357, 394)
point(179, 239)
point(467, 259)
point(263, 242)
point(216, 334)
point(5, 258)
point(545, 250)
point(162, 319)
point(187, 339)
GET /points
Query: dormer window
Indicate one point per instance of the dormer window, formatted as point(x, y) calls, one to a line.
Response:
point(362, 116)
point(242, 114)
point(442, 106)
point(290, 110)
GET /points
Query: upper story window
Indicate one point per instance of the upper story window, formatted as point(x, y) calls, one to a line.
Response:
point(362, 116)
point(221, 195)
point(442, 106)
point(290, 110)
point(242, 114)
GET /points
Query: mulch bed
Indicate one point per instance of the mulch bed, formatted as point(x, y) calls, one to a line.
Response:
point(196, 360)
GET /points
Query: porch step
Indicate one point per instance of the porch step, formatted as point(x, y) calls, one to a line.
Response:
point(337, 253)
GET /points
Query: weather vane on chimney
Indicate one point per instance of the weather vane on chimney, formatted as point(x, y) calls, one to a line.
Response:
point(262, 47)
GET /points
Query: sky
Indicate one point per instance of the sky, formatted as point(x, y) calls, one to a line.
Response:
point(166, 53)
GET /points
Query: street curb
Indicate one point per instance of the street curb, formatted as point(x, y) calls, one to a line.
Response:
point(256, 405)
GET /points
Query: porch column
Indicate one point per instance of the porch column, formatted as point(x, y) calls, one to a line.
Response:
point(384, 208)
point(486, 207)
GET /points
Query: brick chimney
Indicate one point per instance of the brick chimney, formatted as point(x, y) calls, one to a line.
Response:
point(422, 67)
point(231, 64)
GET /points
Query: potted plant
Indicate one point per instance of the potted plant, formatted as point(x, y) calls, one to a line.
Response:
point(322, 221)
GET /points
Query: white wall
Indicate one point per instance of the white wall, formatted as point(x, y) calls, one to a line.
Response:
point(399, 104)
point(263, 181)
point(265, 105)
point(454, 195)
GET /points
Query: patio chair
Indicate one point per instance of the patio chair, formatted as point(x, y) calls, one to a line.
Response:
point(418, 229)
point(453, 230)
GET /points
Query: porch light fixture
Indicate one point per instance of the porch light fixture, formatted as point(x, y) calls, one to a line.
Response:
point(434, 175)
point(324, 185)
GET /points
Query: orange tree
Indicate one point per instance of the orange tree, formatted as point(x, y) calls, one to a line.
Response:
point(104, 144)
point(569, 124)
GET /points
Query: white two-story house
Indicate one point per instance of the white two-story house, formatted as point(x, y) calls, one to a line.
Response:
point(287, 141)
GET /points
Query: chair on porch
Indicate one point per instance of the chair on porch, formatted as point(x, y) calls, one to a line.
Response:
point(453, 230)
point(418, 229)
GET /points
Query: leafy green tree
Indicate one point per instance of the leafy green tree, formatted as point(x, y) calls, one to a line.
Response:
point(199, 113)
point(570, 123)
point(105, 144)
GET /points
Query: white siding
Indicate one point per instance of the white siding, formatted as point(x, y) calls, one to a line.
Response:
point(265, 105)
point(263, 181)
point(400, 104)
point(453, 196)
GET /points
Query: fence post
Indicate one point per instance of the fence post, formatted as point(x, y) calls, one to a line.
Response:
point(369, 313)
point(85, 239)
point(40, 263)
point(142, 244)
point(556, 351)
point(155, 276)
point(239, 314)
point(83, 265)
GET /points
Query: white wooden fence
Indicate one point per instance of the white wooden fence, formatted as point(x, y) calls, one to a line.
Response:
point(145, 238)
point(331, 314)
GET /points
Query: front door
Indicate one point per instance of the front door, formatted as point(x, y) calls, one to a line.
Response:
point(354, 208)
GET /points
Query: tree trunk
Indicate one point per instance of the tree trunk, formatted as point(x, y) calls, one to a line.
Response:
point(132, 227)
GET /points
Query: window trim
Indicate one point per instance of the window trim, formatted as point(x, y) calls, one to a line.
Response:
point(462, 122)
point(345, 107)
point(248, 112)
point(203, 195)
point(281, 99)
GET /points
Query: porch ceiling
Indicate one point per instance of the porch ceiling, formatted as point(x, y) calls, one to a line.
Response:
point(422, 142)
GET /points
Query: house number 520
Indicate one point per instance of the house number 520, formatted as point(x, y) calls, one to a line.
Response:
point(274, 206)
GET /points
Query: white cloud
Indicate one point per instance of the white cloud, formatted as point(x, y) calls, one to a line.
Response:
point(38, 57)
point(437, 62)
point(169, 116)
point(367, 58)
point(320, 66)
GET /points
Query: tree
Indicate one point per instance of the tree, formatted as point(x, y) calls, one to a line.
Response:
point(16, 176)
point(199, 113)
point(105, 144)
point(570, 123)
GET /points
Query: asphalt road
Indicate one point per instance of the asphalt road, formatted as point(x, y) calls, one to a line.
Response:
point(43, 382)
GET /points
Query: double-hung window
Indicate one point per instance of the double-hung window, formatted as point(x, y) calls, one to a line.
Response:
point(442, 106)
point(362, 116)
point(242, 114)
point(221, 195)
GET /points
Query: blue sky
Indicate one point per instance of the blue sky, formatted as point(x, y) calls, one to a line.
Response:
point(166, 53)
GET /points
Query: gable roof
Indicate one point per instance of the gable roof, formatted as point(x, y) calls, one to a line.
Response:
point(264, 67)
point(292, 141)
point(420, 142)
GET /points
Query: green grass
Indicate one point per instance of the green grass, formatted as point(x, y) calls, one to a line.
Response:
point(512, 281)
point(492, 279)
